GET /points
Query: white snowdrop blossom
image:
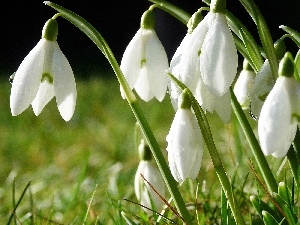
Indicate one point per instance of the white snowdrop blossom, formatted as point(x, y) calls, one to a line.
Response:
point(145, 194)
point(265, 80)
point(218, 54)
point(243, 85)
point(185, 145)
point(210, 52)
point(206, 62)
point(44, 73)
point(144, 63)
point(261, 87)
point(277, 123)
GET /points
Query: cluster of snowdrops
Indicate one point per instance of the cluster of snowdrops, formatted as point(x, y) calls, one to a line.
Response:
point(206, 63)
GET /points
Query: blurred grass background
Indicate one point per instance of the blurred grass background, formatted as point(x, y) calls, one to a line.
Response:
point(67, 161)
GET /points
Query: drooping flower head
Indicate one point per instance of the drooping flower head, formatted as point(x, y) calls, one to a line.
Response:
point(264, 80)
point(279, 115)
point(145, 61)
point(185, 144)
point(206, 62)
point(151, 176)
point(44, 73)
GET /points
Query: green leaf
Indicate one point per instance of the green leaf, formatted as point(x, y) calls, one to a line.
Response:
point(254, 145)
point(253, 51)
point(264, 34)
point(294, 35)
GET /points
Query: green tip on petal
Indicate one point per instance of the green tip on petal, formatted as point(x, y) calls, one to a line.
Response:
point(280, 48)
point(193, 22)
point(184, 101)
point(144, 151)
point(47, 77)
point(218, 6)
point(148, 20)
point(247, 66)
point(50, 30)
point(286, 65)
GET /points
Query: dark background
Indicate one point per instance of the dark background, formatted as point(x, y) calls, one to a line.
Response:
point(117, 21)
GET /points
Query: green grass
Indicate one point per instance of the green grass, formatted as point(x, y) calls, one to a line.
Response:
point(94, 153)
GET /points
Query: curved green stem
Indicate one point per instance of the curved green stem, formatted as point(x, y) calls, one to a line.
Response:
point(173, 10)
point(254, 145)
point(214, 155)
point(96, 37)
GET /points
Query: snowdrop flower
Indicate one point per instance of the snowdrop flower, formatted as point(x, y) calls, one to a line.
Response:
point(218, 57)
point(264, 81)
point(242, 87)
point(145, 61)
point(183, 65)
point(210, 51)
point(185, 144)
point(277, 123)
point(144, 193)
point(206, 62)
point(44, 73)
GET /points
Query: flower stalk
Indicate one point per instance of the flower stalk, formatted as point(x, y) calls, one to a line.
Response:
point(254, 145)
point(214, 155)
point(96, 37)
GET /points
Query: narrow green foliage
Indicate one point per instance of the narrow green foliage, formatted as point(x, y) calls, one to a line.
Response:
point(264, 34)
point(89, 206)
point(269, 219)
point(294, 35)
point(253, 52)
point(207, 136)
point(13, 213)
point(253, 142)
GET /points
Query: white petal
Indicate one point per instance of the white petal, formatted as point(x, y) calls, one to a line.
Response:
point(185, 64)
point(218, 58)
point(223, 107)
point(242, 87)
point(157, 64)
point(64, 84)
point(44, 95)
point(276, 129)
point(131, 60)
point(205, 98)
point(174, 91)
point(145, 194)
point(152, 80)
point(261, 87)
point(190, 65)
point(186, 145)
point(142, 85)
point(27, 79)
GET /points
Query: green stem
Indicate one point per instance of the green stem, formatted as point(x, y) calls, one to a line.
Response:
point(96, 37)
point(293, 157)
point(254, 145)
point(214, 155)
point(173, 10)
